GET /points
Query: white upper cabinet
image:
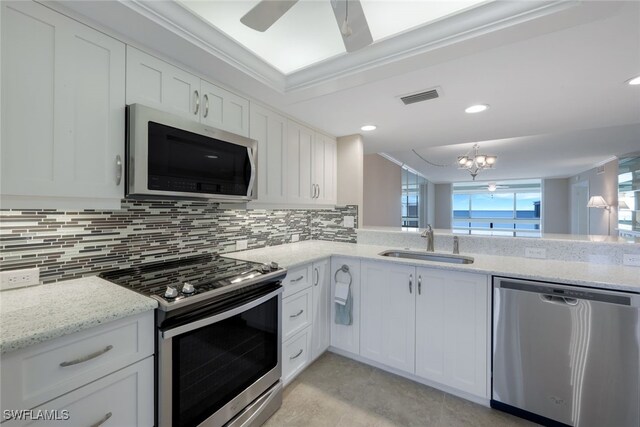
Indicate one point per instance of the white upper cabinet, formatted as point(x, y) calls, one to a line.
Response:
point(223, 109)
point(63, 104)
point(387, 319)
point(452, 324)
point(324, 169)
point(321, 334)
point(299, 163)
point(158, 84)
point(270, 130)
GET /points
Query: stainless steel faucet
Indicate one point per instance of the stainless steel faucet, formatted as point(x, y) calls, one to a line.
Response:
point(456, 245)
point(428, 234)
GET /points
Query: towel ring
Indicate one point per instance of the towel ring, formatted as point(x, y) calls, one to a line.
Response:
point(344, 269)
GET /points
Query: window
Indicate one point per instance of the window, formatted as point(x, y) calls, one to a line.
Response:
point(513, 209)
point(412, 201)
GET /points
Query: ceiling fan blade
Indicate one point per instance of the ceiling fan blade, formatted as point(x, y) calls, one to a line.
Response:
point(360, 35)
point(266, 13)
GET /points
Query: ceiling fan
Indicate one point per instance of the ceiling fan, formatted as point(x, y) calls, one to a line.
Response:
point(349, 17)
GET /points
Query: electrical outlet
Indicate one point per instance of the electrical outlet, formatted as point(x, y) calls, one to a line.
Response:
point(349, 221)
point(241, 245)
point(539, 253)
point(631, 259)
point(19, 278)
point(295, 237)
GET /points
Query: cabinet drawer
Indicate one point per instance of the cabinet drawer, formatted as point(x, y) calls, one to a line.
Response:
point(295, 355)
point(296, 280)
point(45, 371)
point(124, 398)
point(296, 313)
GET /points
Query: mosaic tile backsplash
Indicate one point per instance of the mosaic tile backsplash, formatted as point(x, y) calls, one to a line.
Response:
point(68, 245)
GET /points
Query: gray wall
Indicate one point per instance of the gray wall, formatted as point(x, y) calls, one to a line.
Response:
point(442, 204)
point(350, 171)
point(601, 183)
point(556, 200)
point(382, 192)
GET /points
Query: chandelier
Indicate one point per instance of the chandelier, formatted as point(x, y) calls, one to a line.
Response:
point(476, 162)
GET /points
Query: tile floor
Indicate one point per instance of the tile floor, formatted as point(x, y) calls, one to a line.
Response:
point(336, 391)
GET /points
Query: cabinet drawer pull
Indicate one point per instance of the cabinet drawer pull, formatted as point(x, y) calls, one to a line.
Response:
point(411, 283)
point(296, 356)
point(87, 357)
point(298, 279)
point(206, 105)
point(420, 284)
point(118, 169)
point(317, 276)
point(293, 316)
point(197, 96)
point(102, 421)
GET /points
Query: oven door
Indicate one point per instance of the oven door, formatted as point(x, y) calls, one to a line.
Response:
point(213, 367)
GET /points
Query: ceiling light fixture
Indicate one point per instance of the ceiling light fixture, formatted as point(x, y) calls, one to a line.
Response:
point(476, 108)
point(476, 162)
point(634, 81)
point(368, 128)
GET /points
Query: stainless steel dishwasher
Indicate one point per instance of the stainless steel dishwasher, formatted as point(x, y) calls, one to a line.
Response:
point(566, 354)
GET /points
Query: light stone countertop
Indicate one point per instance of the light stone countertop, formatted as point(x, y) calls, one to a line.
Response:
point(35, 314)
point(608, 276)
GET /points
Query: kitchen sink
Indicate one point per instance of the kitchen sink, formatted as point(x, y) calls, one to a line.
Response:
point(428, 256)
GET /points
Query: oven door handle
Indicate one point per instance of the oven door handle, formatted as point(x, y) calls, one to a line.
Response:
point(170, 333)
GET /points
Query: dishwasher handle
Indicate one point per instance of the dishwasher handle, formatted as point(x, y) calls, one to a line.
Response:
point(554, 299)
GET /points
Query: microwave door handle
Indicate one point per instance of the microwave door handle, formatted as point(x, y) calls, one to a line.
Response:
point(252, 163)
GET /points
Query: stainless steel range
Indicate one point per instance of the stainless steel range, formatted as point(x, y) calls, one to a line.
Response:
point(218, 341)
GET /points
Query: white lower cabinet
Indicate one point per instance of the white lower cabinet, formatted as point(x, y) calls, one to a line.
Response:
point(296, 355)
point(388, 314)
point(452, 329)
point(321, 336)
point(296, 313)
point(346, 337)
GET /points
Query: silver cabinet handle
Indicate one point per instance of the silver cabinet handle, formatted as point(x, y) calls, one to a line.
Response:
point(197, 96)
point(313, 191)
point(118, 169)
point(206, 105)
point(102, 421)
point(317, 276)
point(87, 357)
point(411, 283)
point(420, 284)
point(298, 279)
point(293, 316)
point(296, 356)
point(318, 196)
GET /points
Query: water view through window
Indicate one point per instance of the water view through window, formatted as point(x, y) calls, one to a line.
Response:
point(513, 209)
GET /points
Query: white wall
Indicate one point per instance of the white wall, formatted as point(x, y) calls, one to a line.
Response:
point(382, 192)
point(556, 197)
point(605, 184)
point(442, 205)
point(350, 174)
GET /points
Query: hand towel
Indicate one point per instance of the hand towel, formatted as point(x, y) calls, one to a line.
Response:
point(343, 310)
point(342, 293)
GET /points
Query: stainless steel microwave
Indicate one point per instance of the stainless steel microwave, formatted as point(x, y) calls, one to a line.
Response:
point(172, 157)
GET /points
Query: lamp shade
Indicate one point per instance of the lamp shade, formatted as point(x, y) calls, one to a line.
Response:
point(597, 202)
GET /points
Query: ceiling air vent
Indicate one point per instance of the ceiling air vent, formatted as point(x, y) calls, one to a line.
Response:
point(421, 96)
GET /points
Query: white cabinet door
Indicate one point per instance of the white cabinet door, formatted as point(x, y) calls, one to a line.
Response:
point(158, 84)
point(223, 109)
point(346, 337)
point(298, 163)
point(387, 320)
point(452, 310)
point(324, 169)
point(270, 130)
point(62, 108)
point(321, 334)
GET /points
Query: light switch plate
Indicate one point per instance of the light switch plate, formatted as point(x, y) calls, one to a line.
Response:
point(241, 245)
point(631, 259)
point(295, 237)
point(349, 221)
point(539, 253)
point(19, 278)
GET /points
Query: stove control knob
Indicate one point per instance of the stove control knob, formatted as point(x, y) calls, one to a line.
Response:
point(188, 288)
point(274, 266)
point(171, 292)
point(265, 268)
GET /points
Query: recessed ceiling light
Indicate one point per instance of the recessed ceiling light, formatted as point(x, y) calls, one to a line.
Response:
point(368, 128)
point(634, 81)
point(476, 108)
